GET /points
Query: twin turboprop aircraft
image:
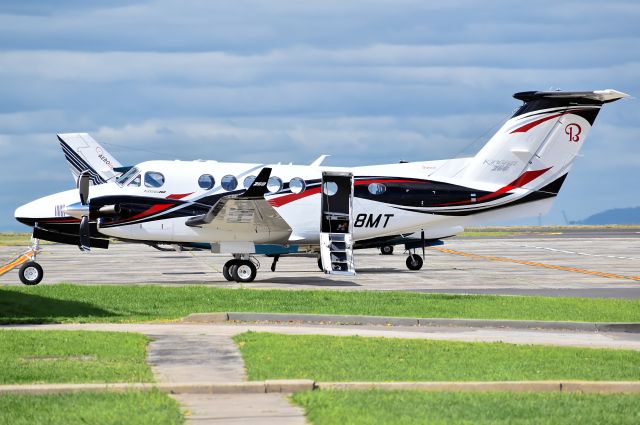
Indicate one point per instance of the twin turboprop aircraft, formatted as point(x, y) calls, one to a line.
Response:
point(273, 209)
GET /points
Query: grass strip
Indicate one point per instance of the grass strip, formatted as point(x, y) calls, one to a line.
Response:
point(122, 303)
point(38, 357)
point(15, 239)
point(132, 408)
point(414, 407)
point(354, 358)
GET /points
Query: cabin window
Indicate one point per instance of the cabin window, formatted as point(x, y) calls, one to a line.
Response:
point(248, 181)
point(206, 181)
point(297, 185)
point(153, 179)
point(135, 182)
point(330, 188)
point(274, 184)
point(229, 182)
point(377, 188)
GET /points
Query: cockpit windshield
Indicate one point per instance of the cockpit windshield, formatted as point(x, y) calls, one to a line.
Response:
point(127, 176)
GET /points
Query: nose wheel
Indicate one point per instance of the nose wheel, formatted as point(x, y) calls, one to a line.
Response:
point(30, 273)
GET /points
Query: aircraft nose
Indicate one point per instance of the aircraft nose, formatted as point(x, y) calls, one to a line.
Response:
point(25, 213)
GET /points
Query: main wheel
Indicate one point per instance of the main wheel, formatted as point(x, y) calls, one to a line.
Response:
point(227, 269)
point(30, 273)
point(244, 272)
point(414, 262)
point(386, 250)
point(320, 263)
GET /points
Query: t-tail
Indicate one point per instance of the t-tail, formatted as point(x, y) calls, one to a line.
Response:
point(538, 144)
point(533, 151)
point(83, 153)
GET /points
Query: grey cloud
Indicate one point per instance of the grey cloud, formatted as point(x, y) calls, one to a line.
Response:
point(284, 81)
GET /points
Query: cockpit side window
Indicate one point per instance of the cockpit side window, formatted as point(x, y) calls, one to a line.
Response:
point(153, 179)
point(135, 182)
point(122, 179)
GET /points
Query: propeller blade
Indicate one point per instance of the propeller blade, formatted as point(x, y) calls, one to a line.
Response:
point(85, 236)
point(83, 187)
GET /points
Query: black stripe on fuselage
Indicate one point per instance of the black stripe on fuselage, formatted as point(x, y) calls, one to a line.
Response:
point(549, 191)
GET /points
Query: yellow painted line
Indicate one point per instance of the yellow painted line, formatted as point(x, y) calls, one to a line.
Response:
point(535, 264)
point(17, 262)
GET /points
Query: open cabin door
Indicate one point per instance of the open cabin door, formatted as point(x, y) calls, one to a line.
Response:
point(336, 224)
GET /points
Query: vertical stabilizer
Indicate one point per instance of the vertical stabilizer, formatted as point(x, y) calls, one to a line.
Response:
point(83, 153)
point(538, 144)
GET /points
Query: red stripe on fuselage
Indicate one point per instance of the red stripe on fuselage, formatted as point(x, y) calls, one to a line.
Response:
point(152, 210)
point(524, 178)
point(283, 200)
point(179, 195)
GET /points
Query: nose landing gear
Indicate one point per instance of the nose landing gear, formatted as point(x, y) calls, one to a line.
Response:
point(30, 272)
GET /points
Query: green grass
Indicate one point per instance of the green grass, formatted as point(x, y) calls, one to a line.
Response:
point(131, 408)
point(13, 239)
point(413, 407)
point(121, 303)
point(72, 357)
point(330, 358)
point(18, 239)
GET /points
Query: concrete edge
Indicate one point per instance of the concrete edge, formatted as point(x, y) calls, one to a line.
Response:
point(409, 321)
point(295, 385)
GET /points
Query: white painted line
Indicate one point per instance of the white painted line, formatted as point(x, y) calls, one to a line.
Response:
point(580, 253)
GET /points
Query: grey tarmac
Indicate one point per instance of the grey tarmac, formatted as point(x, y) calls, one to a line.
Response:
point(614, 259)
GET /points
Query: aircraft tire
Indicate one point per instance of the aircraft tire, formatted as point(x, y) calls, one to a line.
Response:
point(31, 273)
point(244, 271)
point(414, 262)
point(227, 270)
point(386, 250)
point(320, 263)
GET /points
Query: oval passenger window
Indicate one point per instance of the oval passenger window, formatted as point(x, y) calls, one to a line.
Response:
point(206, 181)
point(330, 188)
point(297, 185)
point(248, 181)
point(274, 184)
point(377, 188)
point(153, 179)
point(229, 182)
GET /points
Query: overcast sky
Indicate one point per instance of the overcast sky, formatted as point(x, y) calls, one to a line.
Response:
point(268, 81)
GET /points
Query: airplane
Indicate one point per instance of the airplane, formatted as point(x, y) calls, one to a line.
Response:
point(254, 209)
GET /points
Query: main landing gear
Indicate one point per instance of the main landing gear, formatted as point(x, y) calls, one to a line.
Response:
point(414, 262)
point(241, 269)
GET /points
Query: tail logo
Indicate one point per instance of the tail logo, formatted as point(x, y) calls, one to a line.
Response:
point(573, 131)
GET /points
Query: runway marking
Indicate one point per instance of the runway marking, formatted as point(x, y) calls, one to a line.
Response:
point(535, 264)
point(17, 262)
point(580, 253)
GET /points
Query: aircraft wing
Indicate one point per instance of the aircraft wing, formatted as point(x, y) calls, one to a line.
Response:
point(246, 214)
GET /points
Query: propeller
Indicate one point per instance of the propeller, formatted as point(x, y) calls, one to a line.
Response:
point(85, 232)
point(82, 211)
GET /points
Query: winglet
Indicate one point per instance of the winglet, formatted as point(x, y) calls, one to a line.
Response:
point(259, 186)
point(318, 161)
